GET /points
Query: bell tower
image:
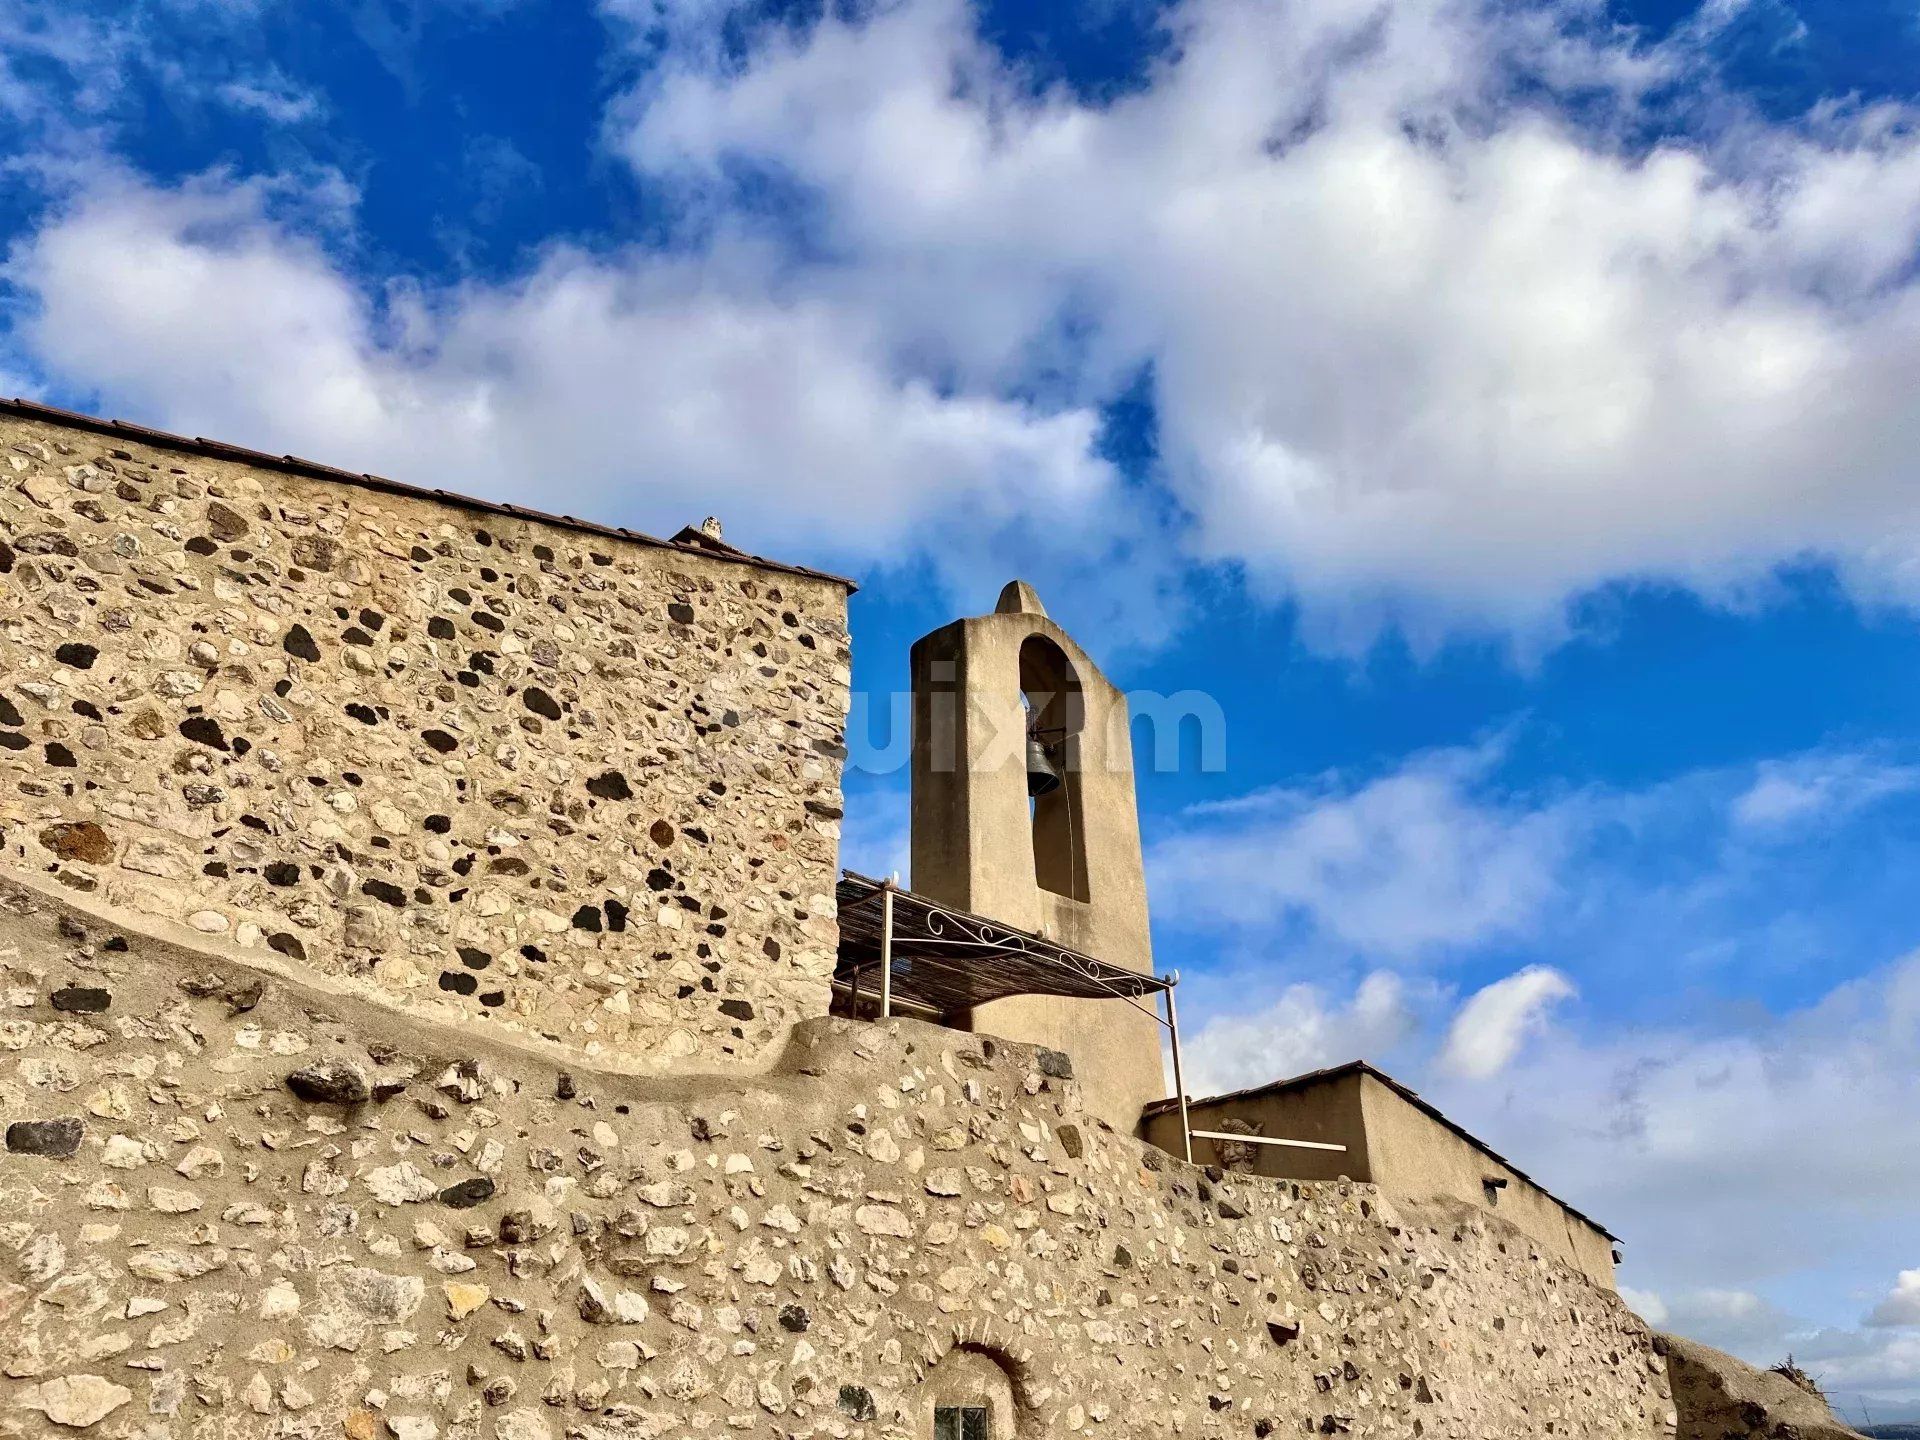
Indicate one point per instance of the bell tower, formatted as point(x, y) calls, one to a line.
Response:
point(1024, 812)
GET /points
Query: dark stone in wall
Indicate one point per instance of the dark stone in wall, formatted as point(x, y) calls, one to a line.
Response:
point(541, 703)
point(384, 890)
point(467, 1194)
point(55, 1139)
point(331, 1082)
point(79, 656)
point(737, 1009)
point(299, 644)
point(611, 785)
point(81, 999)
point(226, 523)
point(79, 840)
point(856, 1403)
point(10, 713)
point(204, 730)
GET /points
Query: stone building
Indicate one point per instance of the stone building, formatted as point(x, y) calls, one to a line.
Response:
point(420, 938)
point(1359, 1123)
point(570, 781)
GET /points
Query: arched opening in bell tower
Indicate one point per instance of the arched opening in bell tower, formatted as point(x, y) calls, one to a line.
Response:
point(1056, 714)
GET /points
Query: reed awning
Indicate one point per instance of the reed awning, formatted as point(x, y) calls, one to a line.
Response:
point(948, 960)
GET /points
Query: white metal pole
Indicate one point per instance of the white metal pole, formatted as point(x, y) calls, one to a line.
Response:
point(886, 950)
point(1179, 1079)
point(1267, 1140)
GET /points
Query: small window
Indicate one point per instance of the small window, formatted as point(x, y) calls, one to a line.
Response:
point(960, 1422)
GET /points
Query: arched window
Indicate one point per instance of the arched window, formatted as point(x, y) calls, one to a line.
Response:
point(969, 1395)
point(1056, 716)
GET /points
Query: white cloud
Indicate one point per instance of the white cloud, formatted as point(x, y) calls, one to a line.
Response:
point(633, 387)
point(1856, 1361)
point(1823, 786)
point(1902, 1304)
point(1422, 350)
point(1303, 1029)
point(69, 78)
point(1731, 1152)
point(1411, 863)
point(1647, 1305)
point(1753, 1160)
point(272, 95)
point(1497, 1021)
point(1423, 353)
point(1735, 1320)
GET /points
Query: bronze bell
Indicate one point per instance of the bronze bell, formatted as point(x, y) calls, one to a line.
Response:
point(1043, 775)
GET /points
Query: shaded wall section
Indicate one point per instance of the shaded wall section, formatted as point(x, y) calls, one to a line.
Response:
point(1721, 1398)
point(552, 779)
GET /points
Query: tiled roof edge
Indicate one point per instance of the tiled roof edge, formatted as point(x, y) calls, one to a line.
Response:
point(1412, 1097)
point(314, 470)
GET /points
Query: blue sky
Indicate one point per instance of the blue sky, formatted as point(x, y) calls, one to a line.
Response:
point(1505, 413)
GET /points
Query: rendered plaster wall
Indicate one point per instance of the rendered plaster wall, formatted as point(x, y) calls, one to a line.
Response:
point(236, 1204)
point(1391, 1143)
point(974, 835)
point(568, 784)
point(1416, 1157)
point(1329, 1113)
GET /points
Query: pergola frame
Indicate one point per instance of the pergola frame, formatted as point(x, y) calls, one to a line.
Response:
point(932, 957)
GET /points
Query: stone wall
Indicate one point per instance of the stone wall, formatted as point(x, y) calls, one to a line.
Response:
point(562, 781)
point(240, 1205)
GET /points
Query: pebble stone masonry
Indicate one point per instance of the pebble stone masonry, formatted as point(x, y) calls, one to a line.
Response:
point(415, 929)
point(563, 781)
